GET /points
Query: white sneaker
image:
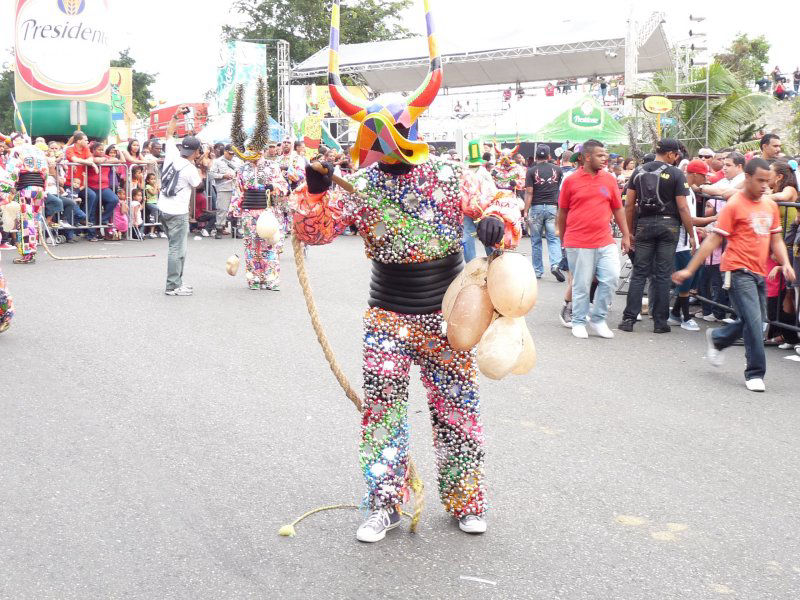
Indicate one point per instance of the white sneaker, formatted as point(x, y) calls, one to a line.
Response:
point(377, 524)
point(204, 232)
point(601, 329)
point(152, 236)
point(579, 331)
point(64, 225)
point(639, 317)
point(785, 346)
point(690, 325)
point(472, 524)
point(713, 355)
point(755, 385)
point(673, 320)
point(710, 318)
point(162, 234)
point(728, 320)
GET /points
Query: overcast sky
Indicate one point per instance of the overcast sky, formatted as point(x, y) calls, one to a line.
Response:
point(179, 39)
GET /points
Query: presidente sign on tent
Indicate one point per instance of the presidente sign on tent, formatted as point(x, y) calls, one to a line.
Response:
point(586, 120)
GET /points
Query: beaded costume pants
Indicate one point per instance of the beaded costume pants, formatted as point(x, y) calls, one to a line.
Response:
point(6, 304)
point(31, 201)
point(262, 261)
point(392, 343)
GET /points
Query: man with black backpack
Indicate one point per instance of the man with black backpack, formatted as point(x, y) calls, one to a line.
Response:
point(178, 178)
point(656, 199)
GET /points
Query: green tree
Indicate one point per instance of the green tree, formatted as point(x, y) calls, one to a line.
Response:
point(305, 24)
point(6, 106)
point(141, 83)
point(746, 57)
point(732, 117)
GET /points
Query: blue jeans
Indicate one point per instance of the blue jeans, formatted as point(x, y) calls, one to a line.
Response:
point(710, 286)
point(543, 218)
point(585, 264)
point(749, 296)
point(52, 205)
point(468, 241)
point(656, 239)
point(110, 201)
point(71, 212)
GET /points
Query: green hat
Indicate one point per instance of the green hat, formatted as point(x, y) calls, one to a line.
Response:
point(575, 157)
point(475, 154)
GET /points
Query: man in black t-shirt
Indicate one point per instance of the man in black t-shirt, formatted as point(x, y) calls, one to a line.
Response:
point(542, 183)
point(656, 198)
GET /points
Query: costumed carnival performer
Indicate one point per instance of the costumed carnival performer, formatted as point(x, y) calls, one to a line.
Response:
point(10, 209)
point(27, 169)
point(408, 208)
point(293, 167)
point(260, 188)
point(507, 174)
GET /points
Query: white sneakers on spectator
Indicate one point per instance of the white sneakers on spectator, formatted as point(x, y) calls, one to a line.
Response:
point(184, 290)
point(755, 385)
point(472, 524)
point(64, 225)
point(579, 331)
point(601, 329)
point(728, 320)
point(713, 355)
point(162, 234)
point(204, 232)
point(710, 318)
point(673, 320)
point(690, 325)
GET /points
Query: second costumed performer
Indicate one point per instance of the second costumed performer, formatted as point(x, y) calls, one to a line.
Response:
point(408, 208)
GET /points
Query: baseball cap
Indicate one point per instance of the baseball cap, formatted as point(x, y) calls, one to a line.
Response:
point(703, 152)
point(697, 166)
point(542, 151)
point(667, 145)
point(189, 146)
point(228, 148)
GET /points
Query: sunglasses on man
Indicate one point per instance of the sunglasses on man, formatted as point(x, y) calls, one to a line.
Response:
point(706, 155)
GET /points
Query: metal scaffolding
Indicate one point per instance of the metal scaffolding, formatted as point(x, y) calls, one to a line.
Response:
point(283, 72)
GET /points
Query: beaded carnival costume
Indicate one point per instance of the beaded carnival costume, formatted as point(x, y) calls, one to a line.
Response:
point(27, 169)
point(408, 208)
point(6, 198)
point(507, 174)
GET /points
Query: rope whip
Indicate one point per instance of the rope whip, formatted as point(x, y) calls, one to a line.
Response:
point(43, 240)
point(415, 482)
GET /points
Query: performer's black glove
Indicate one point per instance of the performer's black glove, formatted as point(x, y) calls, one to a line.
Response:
point(490, 231)
point(317, 182)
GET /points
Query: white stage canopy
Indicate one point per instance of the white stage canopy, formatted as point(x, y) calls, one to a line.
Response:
point(571, 48)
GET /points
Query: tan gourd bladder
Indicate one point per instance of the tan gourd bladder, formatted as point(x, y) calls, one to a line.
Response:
point(527, 358)
point(267, 227)
point(474, 273)
point(232, 265)
point(511, 282)
point(500, 348)
point(470, 317)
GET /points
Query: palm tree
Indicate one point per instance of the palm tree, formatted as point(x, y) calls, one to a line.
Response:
point(732, 118)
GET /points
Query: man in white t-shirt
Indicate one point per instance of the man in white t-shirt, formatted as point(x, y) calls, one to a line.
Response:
point(733, 167)
point(175, 209)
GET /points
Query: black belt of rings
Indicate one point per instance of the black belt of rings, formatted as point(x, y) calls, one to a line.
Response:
point(29, 180)
point(254, 199)
point(413, 288)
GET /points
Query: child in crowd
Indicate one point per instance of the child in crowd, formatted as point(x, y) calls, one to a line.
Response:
point(151, 192)
point(120, 220)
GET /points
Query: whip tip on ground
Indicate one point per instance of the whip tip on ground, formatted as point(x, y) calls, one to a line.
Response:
point(287, 531)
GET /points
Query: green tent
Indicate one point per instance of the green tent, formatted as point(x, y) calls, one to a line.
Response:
point(586, 120)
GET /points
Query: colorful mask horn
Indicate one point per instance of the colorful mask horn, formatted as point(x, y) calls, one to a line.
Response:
point(379, 138)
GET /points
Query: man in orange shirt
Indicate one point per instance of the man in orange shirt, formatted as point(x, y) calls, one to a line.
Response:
point(751, 225)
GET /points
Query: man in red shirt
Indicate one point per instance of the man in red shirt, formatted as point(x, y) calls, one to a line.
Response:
point(751, 225)
point(587, 200)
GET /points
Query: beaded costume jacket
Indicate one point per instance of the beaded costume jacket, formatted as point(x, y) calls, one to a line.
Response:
point(409, 218)
point(509, 176)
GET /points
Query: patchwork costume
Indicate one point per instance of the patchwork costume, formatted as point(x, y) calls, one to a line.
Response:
point(408, 207)
point(260, 186)
point(27, 169)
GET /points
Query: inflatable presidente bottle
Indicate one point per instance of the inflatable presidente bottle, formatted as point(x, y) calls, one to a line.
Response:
point(62, 54)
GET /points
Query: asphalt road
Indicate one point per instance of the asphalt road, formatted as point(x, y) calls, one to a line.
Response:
point(152, 446)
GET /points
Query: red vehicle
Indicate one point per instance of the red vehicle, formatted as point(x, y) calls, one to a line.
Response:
point(194, 121)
